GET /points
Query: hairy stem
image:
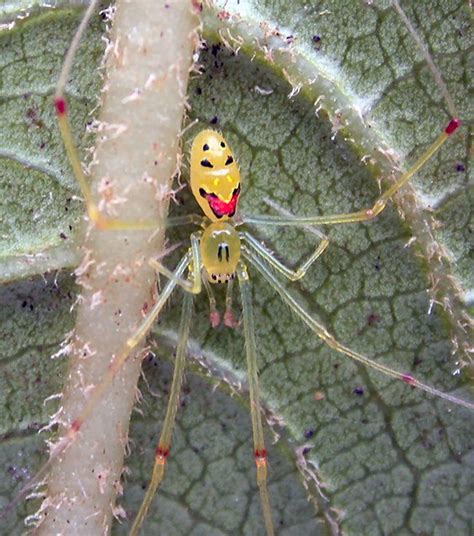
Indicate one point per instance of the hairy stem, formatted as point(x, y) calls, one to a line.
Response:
point(143, 103)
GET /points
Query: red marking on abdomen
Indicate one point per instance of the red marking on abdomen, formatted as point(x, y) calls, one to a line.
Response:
point(221, 208)
point(60, 105)
point(408, 378)
point(453, 125)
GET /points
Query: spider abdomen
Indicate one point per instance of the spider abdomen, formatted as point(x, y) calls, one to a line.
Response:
point(215, 176)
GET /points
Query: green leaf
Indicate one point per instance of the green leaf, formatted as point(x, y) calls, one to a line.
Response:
point(380, 457)
point(39, 208)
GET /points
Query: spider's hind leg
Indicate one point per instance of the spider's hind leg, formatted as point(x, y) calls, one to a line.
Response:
point(95, 215)
point(61, 106)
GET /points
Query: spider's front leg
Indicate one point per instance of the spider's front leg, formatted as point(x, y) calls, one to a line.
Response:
point(255, 258)
point(98, 391)
point(164, 445)
point(260, 451)
point(292, 275)
point(194, 283)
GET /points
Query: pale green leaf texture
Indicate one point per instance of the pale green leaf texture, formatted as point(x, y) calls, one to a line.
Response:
point(380, 457)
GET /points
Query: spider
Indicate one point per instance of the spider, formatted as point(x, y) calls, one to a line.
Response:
point(218, 254)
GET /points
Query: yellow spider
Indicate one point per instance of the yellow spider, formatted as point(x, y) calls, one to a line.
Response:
point(218, 254)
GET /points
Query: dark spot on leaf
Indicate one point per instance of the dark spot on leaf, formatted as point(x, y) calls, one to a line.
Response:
point(373, 319)
point(378, 265)
point(316, 39)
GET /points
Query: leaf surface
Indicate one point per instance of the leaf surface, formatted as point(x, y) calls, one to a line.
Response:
point(379, 457)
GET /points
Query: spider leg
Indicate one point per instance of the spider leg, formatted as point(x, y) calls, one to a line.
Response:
point(176, 221)
point(143, 329)
point(193, 284)
point(71, 433)
point(214, 315)
point(163, 448)
point(429, 60)
point(292, 275)
point(255, 408)
point(331, 341)
point(368, 213)
point(61, 106)
point(229, 318)
point(63, 119)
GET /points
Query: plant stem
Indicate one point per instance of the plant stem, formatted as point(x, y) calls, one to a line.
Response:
point(147, 70)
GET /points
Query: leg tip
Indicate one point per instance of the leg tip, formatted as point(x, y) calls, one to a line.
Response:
point(60, 105)
point(229, 320)
point(215, 319)
point(453, 125)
